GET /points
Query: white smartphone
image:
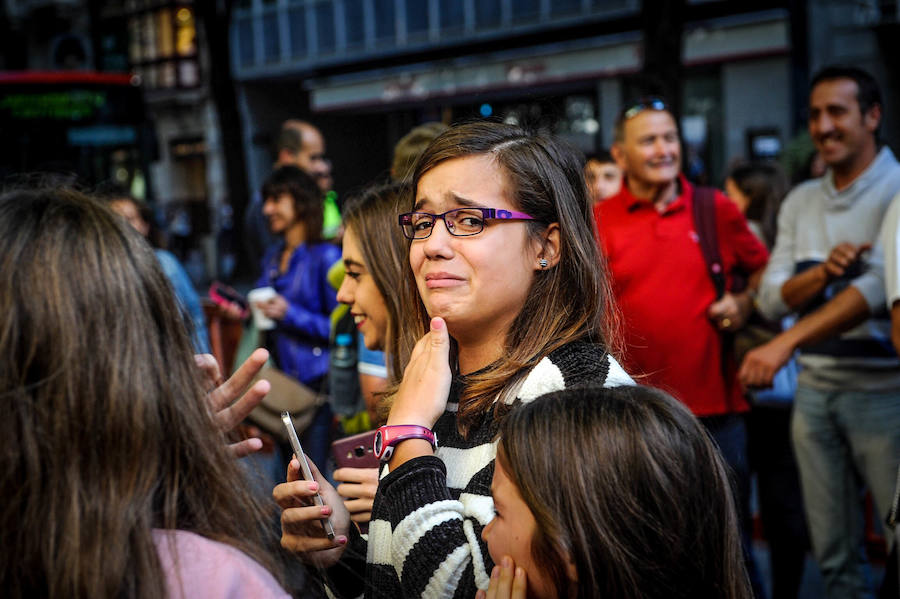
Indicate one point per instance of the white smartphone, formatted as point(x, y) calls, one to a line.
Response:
point(304, 467)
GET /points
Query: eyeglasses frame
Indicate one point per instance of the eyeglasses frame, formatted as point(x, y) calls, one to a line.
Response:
point(486, 214)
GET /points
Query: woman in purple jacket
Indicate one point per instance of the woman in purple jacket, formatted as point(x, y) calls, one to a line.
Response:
point(297, 268)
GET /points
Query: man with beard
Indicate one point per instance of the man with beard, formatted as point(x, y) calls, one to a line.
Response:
point(672, 318)
point(846, 422)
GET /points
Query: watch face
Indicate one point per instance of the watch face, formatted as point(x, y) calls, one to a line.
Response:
point(379, 441)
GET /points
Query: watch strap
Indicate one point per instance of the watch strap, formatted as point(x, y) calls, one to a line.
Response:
point(389, 435)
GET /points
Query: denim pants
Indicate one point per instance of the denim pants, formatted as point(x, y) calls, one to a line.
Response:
point(843, 439)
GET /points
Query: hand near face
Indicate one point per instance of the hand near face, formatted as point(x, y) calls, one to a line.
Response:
point(358, 486)
point(301, 526)
point(423, 394)
point(507, 582)
point(843, 256)
point(760, 364)
point(274, 308)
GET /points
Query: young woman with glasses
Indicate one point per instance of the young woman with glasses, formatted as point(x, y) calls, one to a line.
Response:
point(505, 299)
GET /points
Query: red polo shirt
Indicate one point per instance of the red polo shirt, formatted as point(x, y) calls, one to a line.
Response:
point(663, 289)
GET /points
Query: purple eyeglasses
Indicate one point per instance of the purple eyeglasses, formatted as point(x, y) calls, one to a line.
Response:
point(460, 222)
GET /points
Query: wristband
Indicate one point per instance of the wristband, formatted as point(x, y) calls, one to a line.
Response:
point(389, 435)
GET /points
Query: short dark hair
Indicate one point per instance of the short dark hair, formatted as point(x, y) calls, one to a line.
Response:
point(868, 93)
point(306, 194)
point(602, 156)
point(290, 139)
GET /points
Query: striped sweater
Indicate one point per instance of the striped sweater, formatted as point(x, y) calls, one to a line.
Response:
point(425, 535)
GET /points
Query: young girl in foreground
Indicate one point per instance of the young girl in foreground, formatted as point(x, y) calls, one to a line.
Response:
point(502, 260)
point(611, 493)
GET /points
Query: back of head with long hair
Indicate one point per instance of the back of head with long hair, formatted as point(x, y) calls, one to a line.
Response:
point(106, 434)
point(373, 218)
point(627, 486)
point(570, 301)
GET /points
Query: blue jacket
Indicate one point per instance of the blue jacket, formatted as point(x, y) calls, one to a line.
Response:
point(187, 296)
point(300, 339)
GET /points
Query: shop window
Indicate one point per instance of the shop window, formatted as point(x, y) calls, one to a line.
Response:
point(297, 23)
point(703, 151)
point(245, 41)
point(325, 27)
point(162, 46)
point(271, 39)
point(354, 23)
point(487, 14)
point(416, 19)
point(452, 17)
point(186, 32)
point(563, 8)
point(524, 11)
point(385, 15)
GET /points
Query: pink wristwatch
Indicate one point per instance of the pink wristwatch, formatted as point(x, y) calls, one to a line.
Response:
point(388, 436)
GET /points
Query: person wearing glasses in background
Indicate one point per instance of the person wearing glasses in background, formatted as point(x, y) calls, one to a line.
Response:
point(672, 320)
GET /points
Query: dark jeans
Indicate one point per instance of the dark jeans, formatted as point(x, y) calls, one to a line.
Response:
point(780, 498)
point(729, 431)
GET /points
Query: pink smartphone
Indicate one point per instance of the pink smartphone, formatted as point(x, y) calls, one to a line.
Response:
point(355, 451)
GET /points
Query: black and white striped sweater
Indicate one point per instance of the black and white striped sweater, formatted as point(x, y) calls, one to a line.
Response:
point(425, 534)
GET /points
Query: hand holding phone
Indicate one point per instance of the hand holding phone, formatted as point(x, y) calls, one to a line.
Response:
point(304, 467)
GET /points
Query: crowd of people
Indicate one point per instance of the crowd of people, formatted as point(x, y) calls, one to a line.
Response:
point(573, 368)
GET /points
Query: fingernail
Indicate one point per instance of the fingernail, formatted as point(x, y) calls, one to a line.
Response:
point(437, 324)
point(313, 486)
point(495, 573)
point(341, 540)
point(507, 562)
point(326, 510)
point(520, 572)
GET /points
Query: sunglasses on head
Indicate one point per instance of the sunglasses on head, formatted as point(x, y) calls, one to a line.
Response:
point(645, 104)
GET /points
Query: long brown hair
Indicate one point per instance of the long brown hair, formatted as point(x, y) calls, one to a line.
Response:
point(106, 434)
point(626, 486)
point(373, 217)
point(570, 301)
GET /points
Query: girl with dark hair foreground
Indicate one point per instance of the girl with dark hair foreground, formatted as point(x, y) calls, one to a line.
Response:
point(612, 493)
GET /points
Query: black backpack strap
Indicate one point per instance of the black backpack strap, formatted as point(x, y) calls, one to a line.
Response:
point(704, 212)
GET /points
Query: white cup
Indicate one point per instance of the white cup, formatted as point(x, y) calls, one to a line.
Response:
point(261, 294)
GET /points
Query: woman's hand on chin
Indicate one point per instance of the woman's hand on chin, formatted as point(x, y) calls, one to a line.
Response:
point(423, 393)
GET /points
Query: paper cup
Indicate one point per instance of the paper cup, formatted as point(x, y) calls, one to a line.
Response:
point(261, 294)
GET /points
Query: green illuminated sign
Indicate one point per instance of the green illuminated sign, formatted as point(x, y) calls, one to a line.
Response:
point(72, 105)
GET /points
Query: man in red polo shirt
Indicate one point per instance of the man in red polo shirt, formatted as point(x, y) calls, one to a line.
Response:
point(672, 321)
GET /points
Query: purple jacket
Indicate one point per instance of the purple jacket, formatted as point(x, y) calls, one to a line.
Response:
point(300, 339)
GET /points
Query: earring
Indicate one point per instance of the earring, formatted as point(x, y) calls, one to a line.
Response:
point(543, 263)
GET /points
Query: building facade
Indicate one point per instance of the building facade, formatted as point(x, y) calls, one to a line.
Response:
point(366, 71)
